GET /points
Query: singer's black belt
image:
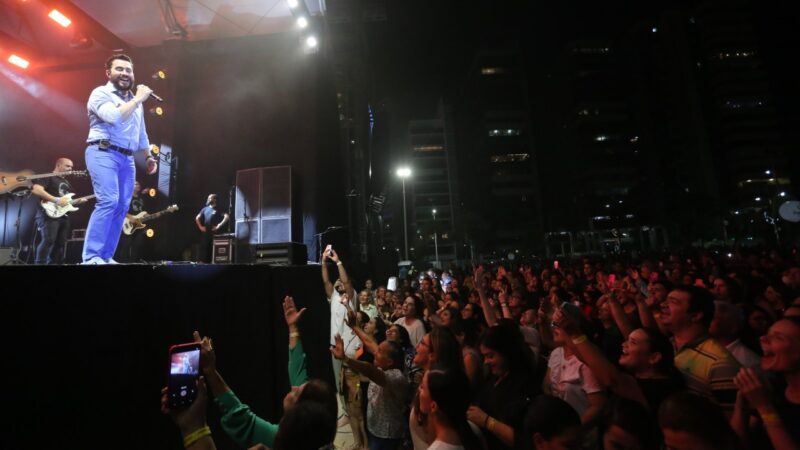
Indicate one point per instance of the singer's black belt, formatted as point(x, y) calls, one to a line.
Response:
point(105, 144)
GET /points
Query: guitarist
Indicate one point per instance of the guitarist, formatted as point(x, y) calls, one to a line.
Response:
point(129, 246)
point(54, 232)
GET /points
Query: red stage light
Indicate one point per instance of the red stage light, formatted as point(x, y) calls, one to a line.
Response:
point(18, 61)
point(61, 19)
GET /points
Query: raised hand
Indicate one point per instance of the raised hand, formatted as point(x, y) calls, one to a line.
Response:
point(338, 350)
point(193, 417)
point(290, 312)
point(208, 359)
point(751, 387)
point(334, 257)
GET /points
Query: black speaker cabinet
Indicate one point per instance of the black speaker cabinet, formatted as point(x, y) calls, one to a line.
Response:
point(73, 251)
point(266, 211)
point(283, 253)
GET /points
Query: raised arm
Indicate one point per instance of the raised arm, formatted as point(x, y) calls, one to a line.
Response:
point(618, 313)
point(326, 280)
point(606, 373)
point(342, 273)
point(368, 370)
point(488, 310)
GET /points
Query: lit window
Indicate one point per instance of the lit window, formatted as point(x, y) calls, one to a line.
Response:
point(428, 148)
point(510, 157)
point(505, 132)
point(492, 70)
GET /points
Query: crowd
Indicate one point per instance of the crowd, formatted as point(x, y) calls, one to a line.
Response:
point(676, 352)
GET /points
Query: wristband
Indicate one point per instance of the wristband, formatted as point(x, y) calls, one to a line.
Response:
point(579, 340)
point(338, 263)
point(196, 435)
point(492, 423)
point(294, 334)
point(770, 419)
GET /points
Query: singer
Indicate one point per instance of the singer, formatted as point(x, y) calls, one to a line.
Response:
point(116, 131)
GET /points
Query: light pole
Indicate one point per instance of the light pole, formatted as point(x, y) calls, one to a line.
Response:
point(403, 173)
point(435, 240)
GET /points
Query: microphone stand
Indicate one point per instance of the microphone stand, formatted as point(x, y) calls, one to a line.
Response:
point(319, 240)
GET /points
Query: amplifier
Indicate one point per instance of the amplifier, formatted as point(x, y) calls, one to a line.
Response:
point(282, 253)
point(73, 251)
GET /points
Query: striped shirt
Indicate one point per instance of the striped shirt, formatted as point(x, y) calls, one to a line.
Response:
point(708, 368)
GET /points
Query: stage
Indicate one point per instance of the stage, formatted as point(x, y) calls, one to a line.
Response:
point(85, 347)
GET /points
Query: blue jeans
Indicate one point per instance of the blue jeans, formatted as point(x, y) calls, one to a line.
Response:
point(113, 175)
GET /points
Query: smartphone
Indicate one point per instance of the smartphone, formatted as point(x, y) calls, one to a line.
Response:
point(184, 370)
point(555, 265)
point(612, 279)
point(328, 248)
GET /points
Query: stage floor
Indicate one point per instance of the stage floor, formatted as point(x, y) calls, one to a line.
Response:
point(86, 346)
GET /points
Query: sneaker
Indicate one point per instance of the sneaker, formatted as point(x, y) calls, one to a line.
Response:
point(111, 261)
point(95, 260)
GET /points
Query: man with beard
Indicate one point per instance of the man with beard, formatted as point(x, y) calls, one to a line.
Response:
point(116, 131)
point(54, 231)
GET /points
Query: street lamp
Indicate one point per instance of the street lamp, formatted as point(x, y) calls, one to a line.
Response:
point(403, 173)
point(435, 240)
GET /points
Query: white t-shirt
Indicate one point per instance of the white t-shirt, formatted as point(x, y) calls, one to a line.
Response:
point(571, 380)
point(338, 313)
point(439, 445)
point(416, 331)
point(745, 356)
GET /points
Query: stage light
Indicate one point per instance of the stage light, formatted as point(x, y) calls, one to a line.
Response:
point(155, 150)
point(61, 19)
point(302, 22)
point(157, 111)
point(292, 3)
point(160, 75)
point(150, 232)
point(151, 192)
point(19, 61)
point(311, 42)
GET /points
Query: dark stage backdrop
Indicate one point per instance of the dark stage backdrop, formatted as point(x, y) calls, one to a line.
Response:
point(84, 366)
point(230, 104)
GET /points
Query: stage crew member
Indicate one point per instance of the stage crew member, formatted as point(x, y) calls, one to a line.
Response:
point(209, 221)
point(116, 131)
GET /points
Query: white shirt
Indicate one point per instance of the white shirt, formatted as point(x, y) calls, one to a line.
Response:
point(338, 314)
point(416, 331)
point(439, 445)
point(571, 380)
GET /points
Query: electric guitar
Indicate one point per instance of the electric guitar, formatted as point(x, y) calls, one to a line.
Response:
point(10, 182)
point(54, 211)
point(128, 227)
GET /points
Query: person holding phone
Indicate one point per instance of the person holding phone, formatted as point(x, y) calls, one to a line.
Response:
point(239, 422)
point(191, 420)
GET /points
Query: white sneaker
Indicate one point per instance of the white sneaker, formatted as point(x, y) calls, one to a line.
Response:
point(96, 260)
point(111, 261)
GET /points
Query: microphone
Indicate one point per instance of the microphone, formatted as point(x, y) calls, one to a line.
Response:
point(153, 94)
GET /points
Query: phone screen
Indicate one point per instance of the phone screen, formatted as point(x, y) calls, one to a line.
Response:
point(612, 278)
point(184, 370)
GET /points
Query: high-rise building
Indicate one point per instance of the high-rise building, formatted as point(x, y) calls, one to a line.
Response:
point(434, 187)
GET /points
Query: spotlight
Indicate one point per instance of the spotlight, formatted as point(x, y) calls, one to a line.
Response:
point(61, 19)
point(311, 42)
point(155, 150)
point(157, 111)
point(19, 61)
point(160, 75)
point(302, 22)
point(80, 40)
point(151, 192)
point(150, 232)
point(292, 3)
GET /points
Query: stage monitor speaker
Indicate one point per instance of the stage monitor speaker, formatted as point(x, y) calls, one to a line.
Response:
point(73, 251)
point(283, 253)
point(5, 255)
point(265, 206)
